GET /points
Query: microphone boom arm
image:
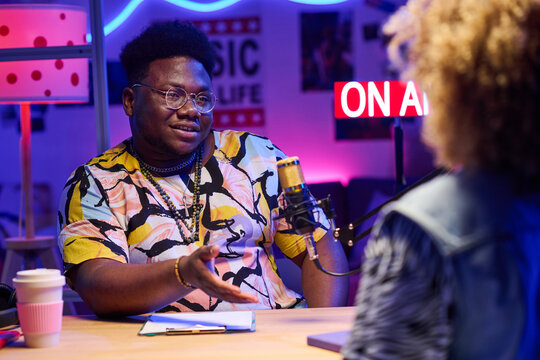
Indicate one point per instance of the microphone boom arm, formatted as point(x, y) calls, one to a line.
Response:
point(299, 215)
point(299, 210)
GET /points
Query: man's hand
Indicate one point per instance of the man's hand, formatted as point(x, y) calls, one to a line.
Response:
point(111, 288)
point(198, 270)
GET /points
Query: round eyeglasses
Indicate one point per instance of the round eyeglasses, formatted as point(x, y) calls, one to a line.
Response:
point(176, 97)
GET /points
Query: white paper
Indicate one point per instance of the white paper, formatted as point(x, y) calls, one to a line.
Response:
point(199, 321)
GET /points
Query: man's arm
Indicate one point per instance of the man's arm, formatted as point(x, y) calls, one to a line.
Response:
point(111, 288)
point(320, 289)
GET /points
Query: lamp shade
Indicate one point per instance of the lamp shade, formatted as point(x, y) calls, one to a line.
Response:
point(43, 81)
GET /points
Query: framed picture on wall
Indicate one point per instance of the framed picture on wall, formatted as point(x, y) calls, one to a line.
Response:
point(326, 47)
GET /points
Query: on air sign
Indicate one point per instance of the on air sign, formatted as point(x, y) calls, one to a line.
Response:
point(365, 99)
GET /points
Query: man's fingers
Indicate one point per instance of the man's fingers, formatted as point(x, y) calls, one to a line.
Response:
point(218, 288)
point(209, 252)
point(206, 280)
point(239, 297)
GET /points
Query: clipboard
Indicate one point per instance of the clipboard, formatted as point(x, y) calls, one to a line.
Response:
point(198, 323)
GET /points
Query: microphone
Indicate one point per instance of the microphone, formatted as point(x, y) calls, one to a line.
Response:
point(300, 206)
point(299, 202)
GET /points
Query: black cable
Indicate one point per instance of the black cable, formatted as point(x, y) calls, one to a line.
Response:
point(319, 266)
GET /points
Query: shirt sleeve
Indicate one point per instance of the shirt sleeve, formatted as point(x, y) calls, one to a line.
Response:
point(87, 227)
point(404, 302)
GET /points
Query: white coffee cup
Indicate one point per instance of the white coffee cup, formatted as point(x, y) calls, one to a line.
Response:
point(39, 305)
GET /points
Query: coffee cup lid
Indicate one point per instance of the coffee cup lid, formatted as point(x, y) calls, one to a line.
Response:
point(39, 278)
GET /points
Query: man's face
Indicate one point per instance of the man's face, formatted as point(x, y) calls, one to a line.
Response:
point(162, 135)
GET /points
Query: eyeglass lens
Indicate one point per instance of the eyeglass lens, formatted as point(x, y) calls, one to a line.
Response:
point(203, 101)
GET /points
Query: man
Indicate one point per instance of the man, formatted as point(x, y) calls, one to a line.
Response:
point(181, 217)
point(452, 270)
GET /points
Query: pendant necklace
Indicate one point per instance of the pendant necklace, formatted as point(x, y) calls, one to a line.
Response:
point(175, 213)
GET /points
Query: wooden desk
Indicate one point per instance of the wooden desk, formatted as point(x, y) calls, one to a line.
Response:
point(279, 335)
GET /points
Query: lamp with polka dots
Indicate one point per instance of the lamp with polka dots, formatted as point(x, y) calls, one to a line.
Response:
point(29, 82)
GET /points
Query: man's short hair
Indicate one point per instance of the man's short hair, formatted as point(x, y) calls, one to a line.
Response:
point(164, 40)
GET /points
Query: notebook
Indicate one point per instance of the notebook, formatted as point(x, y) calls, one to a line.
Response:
point(332, 341)
point(199, 323)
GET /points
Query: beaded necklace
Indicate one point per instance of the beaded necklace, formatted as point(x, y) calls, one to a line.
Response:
point(194, 226)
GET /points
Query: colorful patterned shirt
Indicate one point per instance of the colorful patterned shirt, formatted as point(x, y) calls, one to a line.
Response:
point(110, 210)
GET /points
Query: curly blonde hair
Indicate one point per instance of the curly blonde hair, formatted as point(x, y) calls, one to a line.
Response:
point(479, 63)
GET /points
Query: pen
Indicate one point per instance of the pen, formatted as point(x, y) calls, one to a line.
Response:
point(197, 329)
point(7, 336)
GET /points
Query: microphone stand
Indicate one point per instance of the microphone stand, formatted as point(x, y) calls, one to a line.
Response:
point(302, 213)
point(398, 154)
point(347, 235)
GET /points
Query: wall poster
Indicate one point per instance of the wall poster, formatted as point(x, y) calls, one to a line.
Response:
point(238, 75)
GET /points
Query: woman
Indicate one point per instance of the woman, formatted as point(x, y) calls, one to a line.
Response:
point(452, 270)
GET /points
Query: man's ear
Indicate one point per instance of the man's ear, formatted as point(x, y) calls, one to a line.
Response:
point(128, 100)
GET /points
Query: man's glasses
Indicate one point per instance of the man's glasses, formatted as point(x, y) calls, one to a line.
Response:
point(176, 97)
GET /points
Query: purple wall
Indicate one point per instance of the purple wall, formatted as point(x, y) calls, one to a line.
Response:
point(300, 123)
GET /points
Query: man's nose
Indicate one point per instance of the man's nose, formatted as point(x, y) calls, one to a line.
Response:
point(189, 107)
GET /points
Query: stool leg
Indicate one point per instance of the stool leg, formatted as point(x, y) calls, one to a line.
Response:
point(51, 259)
point(23, 253)
point(12, 263)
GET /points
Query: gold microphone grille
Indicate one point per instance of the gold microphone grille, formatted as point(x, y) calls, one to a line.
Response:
point(290, 173)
